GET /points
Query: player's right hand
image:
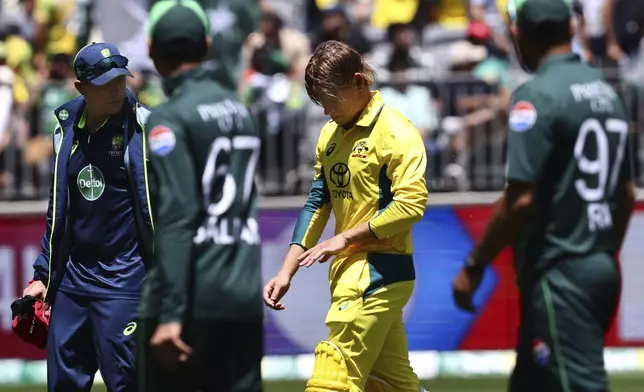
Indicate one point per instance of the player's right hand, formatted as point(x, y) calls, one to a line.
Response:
point(36, 289)
point(275, 290)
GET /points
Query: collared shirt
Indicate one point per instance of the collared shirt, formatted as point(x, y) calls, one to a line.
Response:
point(104, 247)
point(373, 172)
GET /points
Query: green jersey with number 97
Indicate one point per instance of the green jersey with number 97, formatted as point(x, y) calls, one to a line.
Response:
point(568, 135)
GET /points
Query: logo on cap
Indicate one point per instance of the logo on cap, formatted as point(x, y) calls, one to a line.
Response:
point(63, 115)
point(106, 52)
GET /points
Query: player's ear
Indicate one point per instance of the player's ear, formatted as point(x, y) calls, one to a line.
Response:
point(572, 27)
point(513, 30)
point(79, 87)
point(149, 48)
point(359, 80)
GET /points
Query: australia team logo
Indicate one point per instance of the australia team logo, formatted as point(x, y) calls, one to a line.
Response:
point(90, 182)
point(117, 145)
point(522, 116)
point(360, 150)
point(162, 140)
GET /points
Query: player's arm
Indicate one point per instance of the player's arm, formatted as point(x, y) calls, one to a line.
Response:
point(612, 44)
point(41, 265)
point(406, 161)
point(625, 197)
point(530, 145)
point(176, 203)
point(313, 217)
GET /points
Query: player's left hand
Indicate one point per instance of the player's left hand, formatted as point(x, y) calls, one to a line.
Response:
point(464, 286)
point(170, 349)
point(323, 251)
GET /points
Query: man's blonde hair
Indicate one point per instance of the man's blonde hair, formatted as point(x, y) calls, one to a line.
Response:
point(331, 69)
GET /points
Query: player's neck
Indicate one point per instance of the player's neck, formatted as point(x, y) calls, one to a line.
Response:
point(94, 121)
point(362, 104)
point(185, 67)
point(556, 50)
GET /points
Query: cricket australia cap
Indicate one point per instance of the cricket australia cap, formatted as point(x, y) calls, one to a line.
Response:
point(176, 21)
point(532, 13)
point(99, 63)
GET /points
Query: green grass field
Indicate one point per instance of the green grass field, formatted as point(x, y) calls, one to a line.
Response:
point(619, 383)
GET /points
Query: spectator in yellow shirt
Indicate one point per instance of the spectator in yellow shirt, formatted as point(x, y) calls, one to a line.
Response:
point(55, 30)
point(451, 14)
point(386, 12)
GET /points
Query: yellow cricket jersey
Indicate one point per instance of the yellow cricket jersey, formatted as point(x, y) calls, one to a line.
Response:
point(452, 14)
point(373, 172)
point(57, 15)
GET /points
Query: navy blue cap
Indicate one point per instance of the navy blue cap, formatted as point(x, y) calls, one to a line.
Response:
point(99, 63)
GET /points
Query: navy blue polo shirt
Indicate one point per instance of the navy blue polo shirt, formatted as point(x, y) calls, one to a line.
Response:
point(104, 258)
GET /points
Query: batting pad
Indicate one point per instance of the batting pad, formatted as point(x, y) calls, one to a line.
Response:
point(330, 370)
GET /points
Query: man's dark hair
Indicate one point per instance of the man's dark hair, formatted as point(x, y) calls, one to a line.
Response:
point(62, 58)
point(548, 34)
point(395, 28)
point(180, 51)
point(400, 62)
point(273, 18)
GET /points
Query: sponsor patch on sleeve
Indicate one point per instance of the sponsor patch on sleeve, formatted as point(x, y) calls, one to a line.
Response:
point(162, 140)
point(522, 116)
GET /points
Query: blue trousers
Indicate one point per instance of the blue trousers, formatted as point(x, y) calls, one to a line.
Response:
point(88, 334)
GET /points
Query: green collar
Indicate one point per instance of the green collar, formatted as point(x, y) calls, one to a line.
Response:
point(557, 59)
point(173, 82)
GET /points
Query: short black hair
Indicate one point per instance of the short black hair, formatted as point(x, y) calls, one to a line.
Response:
point(400, 62)
point(180, 51)
point(62, 58)
point(273, 18)
point(394, 28)
point(548, 34)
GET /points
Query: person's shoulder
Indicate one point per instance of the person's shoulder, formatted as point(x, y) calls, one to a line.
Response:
point(393, 123)
point(327, 131)
point(201, 91)
point(538, 91)
point(71, 105)
point(162, 115)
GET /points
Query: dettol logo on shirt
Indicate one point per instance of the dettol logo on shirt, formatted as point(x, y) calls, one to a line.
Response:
point(91, 182)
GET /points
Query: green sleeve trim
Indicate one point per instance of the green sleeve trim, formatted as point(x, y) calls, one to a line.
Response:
point(318, 196)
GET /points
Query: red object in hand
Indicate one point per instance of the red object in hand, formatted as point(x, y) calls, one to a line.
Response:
point(33, 327)
point(478, 30)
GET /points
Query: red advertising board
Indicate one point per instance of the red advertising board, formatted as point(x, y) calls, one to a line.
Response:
point(493, 327)
point(19, 247)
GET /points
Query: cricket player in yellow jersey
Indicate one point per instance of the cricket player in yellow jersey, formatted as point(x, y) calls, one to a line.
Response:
point(370, 171)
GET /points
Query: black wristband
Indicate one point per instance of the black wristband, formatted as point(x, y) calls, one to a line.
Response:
point(472, 266)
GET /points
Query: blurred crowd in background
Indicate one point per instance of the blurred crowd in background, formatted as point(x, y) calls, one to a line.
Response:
point(448, 65)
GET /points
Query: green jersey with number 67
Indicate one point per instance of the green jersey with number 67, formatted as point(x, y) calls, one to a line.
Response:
point(568, 135)
point(204, 147)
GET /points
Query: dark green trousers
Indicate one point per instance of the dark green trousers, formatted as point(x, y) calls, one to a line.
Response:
point(226, 357)
point(566, 313)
